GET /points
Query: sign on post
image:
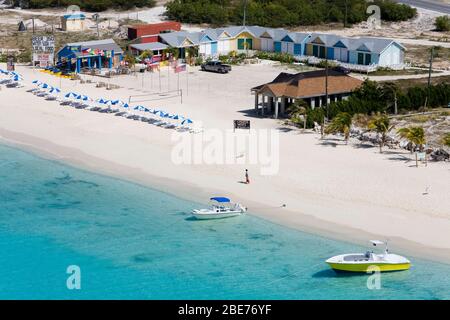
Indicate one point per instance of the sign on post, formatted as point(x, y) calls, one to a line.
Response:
point(10, 64)
point(241, 124)
point(43, 50)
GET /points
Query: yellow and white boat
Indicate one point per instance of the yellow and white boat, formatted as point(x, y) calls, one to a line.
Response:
point(369, 261)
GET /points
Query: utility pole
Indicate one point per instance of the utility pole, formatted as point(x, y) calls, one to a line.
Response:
point(322, 129)
point(326, 86)
point(429, 76)
point(245, 12)
point(345, 13)
point(32, 19)
point(96, 17)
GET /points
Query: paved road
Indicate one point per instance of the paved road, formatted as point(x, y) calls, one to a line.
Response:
point(442, 6)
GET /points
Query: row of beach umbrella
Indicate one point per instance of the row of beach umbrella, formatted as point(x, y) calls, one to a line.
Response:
point(12, 75)
point(73, 97)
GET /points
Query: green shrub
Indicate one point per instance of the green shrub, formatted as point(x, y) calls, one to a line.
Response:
point(442, 23)
point(275, 56)
point(314, 115)
point(281, 13)
point(391, 11)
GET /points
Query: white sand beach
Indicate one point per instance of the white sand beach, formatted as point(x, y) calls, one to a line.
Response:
point(342, 191)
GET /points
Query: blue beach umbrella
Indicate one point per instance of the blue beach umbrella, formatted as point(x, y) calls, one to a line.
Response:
point(187, 121)
point(54, 90)
point(162, 114)
point(140, 108)
point(71, 95)
point(101, 100)
point(82, 97)
point(17, 78)
point(177, 117)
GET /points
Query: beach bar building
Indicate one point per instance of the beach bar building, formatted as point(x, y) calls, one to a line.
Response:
point(96, 54)
point(274, 98)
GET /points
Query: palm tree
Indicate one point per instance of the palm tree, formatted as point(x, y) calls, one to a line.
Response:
point(146, 54)
point(171, 52)
point(340, 124)
point(191, 52)
point(297, 111)
point(415, 135)
point(380, 124)
point(130, 60)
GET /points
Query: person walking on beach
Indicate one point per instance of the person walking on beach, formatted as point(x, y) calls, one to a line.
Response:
point(247, 180)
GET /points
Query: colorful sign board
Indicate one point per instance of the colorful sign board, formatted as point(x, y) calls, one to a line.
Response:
point(241, 124)
point(43, 50)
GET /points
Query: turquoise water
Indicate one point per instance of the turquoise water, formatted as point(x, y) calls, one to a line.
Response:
point(132, 242)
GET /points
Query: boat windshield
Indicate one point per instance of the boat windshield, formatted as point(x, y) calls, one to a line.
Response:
point(357, 257)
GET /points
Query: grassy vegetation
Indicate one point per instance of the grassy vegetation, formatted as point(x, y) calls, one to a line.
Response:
point(389, 72)
point(420, 55)
point(404, 84)
point(442, 23)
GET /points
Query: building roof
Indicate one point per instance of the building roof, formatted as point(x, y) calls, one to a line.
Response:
point(377, 45)
point(175, 39)
point(157, 27)
point(374, 45)
point(329, 40)
point(105, 44)
point(75, 16)
point(149, 46)
point(309, 84)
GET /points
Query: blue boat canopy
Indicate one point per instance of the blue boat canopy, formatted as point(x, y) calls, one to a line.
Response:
point(220, 199)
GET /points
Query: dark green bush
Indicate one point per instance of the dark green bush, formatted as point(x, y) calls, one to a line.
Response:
point(280, 13)
point(442, 23)
point(391, 11)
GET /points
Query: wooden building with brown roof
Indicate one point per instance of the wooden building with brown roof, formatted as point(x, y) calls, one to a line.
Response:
point(310, 86)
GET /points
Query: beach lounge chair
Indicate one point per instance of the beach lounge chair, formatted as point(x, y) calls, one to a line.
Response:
point(5, 81)
point(51, 98)
point(13, 85)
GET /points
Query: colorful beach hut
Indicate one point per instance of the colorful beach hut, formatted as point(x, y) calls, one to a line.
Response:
point(96, 54)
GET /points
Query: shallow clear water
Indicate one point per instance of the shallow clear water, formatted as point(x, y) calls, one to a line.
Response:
point(133, 242)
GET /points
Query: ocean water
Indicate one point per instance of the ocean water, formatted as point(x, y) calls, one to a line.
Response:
point(132, 242)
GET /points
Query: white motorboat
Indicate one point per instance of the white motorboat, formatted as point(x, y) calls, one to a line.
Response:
point(369, 261)
point(220, 208)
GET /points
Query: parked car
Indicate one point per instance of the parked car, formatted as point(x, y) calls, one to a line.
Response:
point(216, 66)
point(341, 69)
